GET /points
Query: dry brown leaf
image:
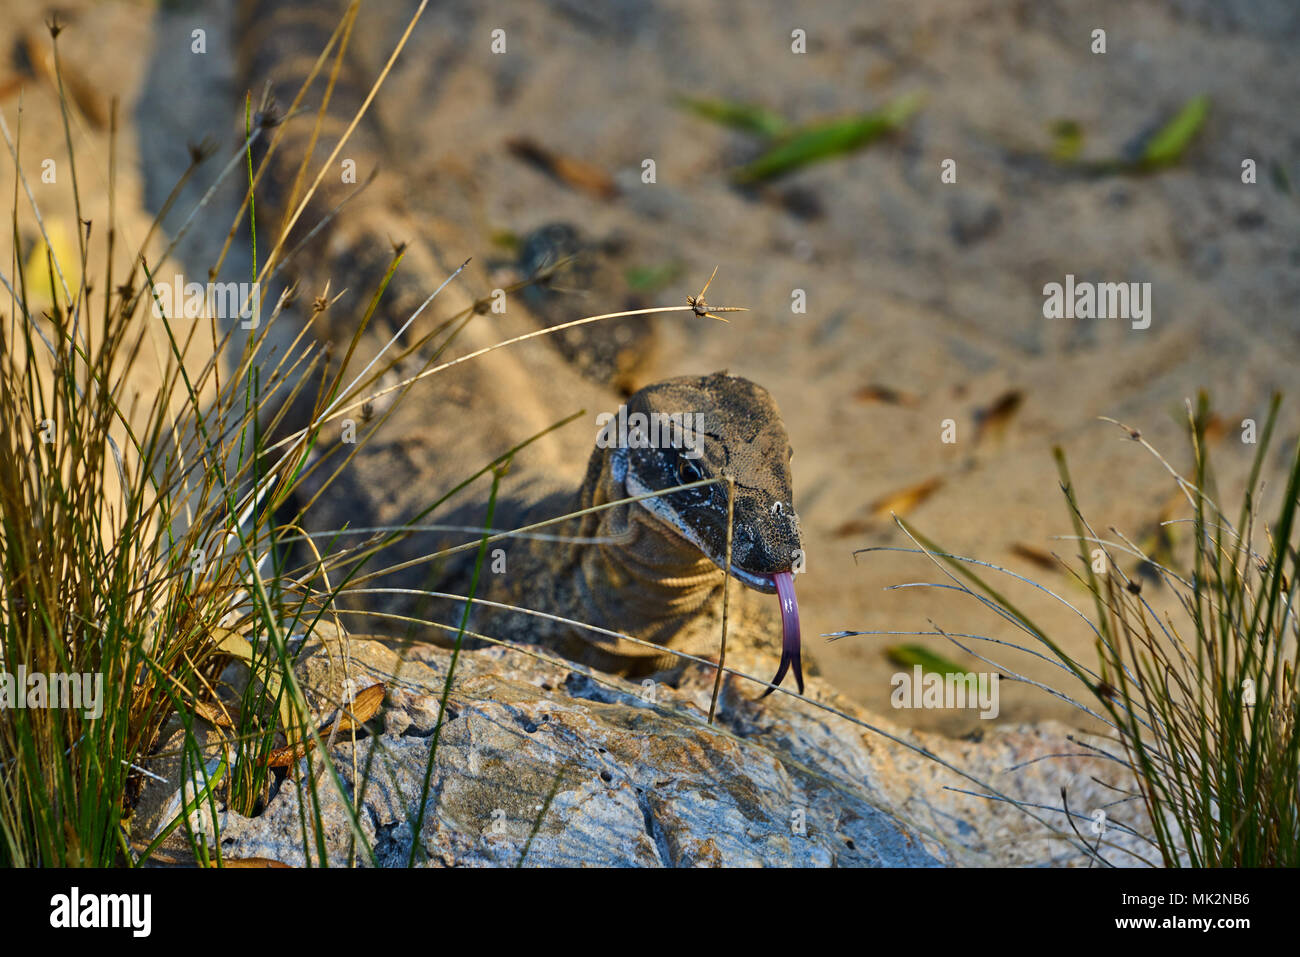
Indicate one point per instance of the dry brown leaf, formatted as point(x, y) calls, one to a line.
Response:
point(11, 85)
point(854, 526)
point(1216, 427)
point(883, 393)
point(213, 714)
point(579, 174)
point(252, 862)
point(904, 500)
point(365, 705)
point(173, 859)
point(996, 416)
point(1041, 558)
point(283, 757)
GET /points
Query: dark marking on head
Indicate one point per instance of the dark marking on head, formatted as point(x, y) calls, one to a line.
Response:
point(737, 431)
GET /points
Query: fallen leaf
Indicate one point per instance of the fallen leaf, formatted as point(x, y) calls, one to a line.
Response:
point(212, 714)
point(1216, 427)
point(996, 416)
point(287, 755)
point(579, 174)
point(904, 500)
point(651, 278)
point(883, 393)
point(40, 270)
point(1038, 556)
point(825, 139)
point(365, 705)
point(742, 116)
point(1067, 141)
point(854, 526)
point(1170, 142)
point(252, 862)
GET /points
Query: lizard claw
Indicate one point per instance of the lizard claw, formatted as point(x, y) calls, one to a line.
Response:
point(790, 636)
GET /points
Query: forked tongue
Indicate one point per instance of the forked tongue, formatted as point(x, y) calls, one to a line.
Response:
point(789, 632)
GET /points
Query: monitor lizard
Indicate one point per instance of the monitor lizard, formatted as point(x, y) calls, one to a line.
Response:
point(650, 569)
point(653, 568)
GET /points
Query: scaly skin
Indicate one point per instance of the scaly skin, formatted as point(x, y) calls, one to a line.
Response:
point(659, 566)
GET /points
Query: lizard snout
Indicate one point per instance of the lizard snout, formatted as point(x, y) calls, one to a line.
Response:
point(765, 538)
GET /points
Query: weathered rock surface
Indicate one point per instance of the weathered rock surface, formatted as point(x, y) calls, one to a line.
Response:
point(540, 762)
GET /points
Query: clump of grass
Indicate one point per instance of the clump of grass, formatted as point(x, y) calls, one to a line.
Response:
point(135, 539)
point(1200, 697)
point(114, 524)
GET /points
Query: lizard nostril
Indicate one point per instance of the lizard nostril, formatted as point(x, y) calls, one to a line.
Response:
point(778, 508)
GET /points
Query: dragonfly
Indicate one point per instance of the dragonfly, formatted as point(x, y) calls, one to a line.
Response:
point(702, 308)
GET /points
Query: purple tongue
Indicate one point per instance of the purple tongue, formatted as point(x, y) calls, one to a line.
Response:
point(789, 632)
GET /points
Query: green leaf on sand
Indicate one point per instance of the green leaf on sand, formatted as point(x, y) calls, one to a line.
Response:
point(909, 656)
point(1171, 140)
point(825, 139)
point(1067, 141)
point(651, 278)
point(742, 116)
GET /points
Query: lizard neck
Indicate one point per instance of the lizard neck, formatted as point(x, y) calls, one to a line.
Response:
point(645, 576)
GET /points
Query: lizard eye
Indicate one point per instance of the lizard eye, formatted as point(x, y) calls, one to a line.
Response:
point(688, 470)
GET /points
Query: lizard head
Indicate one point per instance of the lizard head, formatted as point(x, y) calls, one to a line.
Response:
point(717, 427)
point(703, 427)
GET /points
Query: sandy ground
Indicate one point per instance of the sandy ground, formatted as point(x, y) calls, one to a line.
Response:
point(933, 290)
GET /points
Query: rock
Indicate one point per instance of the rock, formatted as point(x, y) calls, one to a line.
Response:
point(546, 763)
